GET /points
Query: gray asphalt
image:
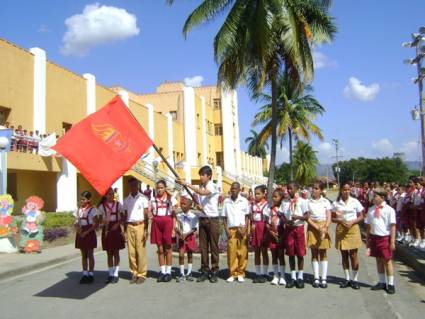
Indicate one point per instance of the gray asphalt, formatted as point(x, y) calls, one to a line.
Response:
point(55, 293)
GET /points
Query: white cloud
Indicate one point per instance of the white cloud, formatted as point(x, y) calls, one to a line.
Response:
point(282, 155)
point(324, 152)
point(383, 148)
point(356, 90)
point(410, 150)
point(195, 81)
point(321, 61)
point(97, 25)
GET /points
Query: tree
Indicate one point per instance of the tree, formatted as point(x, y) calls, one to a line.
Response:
point(282, 174)
point(296, 113)
point(305, 162)
point(259, 39)
point(255, 146)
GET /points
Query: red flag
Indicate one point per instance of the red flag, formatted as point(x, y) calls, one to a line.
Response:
point(105, 145)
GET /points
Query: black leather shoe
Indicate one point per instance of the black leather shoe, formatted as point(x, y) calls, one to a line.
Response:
point(84, 280)
point(109, 280)
point(213, 278)
point(203, 277)
point(355, 285)
point(345, 284)
point(391, 290)
point(316, 284)
point(290, 283)
point(324, 284)
point(90, 279)
point(167, 278)
point(379, 286)
point(300, 283)
point(160, 278)
point(115, 279)
point(262, 279)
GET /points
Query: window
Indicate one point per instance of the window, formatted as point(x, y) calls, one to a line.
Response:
point(173, 115)
point(198, 121)
point(66, 127)
point(4, 114)
point(12, 185)
point(219, 159)
point(218, 130)
point(217, 104)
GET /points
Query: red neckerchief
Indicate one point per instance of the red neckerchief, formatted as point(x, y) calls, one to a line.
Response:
point(85, 210)
point(378, 211)
point(109, 209)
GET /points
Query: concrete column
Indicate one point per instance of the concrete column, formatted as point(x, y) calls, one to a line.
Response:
point(189, 126)
point(151, 129)
point(170, 139)
point(39, 103)
point(219, 172)
point(204, 131)
point(238, 163)
point(66, 188)
point(91, 93)
point(228, 132)
point(187, 172)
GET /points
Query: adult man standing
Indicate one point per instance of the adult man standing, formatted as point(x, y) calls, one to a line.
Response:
point(136, 228)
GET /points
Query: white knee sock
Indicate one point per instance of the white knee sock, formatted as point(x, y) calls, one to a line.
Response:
point(182, 270)
point(168, 269)
point(116, 271)
point(258, 270)
point(189, 269)
point(85, 273)
point(347, 274)
point(301, 274)
point(315, 264)
point(265, 270)
point(293, 274)
point(381, 278)
point(391, 280)
point(282, 271)
point(91, 273)
point(275, 270)
point(111, 271)
point(162, 270)
point(324, 265)
point(355, 273)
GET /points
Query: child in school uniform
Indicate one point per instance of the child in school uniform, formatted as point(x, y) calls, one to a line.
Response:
point(318, 239)
point(380, 240)
point(276, 230)
point(236, 222)
point(295, 212)
point(409, 212)
point(187, 225)
point(112, 213)
point(162, 230)
point(259, 212)
point(86, 222)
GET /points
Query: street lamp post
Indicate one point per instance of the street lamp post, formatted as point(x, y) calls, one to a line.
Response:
point(337, 156)
point(4, 145)
point(417, 43)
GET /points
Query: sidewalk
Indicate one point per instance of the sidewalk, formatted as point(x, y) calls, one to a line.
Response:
point(412, 257)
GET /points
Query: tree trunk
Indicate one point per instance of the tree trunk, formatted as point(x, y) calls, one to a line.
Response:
point(291, 170)
point(274, 135)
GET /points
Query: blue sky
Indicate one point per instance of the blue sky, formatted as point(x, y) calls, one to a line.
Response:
point(360, 78)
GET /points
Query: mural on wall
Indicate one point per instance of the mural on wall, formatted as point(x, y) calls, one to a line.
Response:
point(32, 225)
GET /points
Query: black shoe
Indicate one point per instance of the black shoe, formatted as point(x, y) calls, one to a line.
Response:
point(316, 283)
point(255, 280)
point(379, 286)
point(114, 280)
point(133, 280)
point(160, 278)
point(300, 283)
point(203, 277)
point(90, 279)
point(355, 285)
point(213, 278)
point(391, 290)
point(84, 280)
point(290, 283)
point(189, 277)
point(109, 280)
point(323, 284)
point(262, 279)
point(167, 278)
point(345, 284)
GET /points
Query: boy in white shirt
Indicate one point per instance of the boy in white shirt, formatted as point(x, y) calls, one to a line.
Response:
point(380, 239)
point(236, 211)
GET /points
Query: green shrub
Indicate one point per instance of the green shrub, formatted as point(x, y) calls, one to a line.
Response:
point(58, 220)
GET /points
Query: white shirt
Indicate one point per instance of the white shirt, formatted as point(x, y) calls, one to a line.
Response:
point(209, 202)
point(400, 202)
point(299, 209)
point(135, 207)
point(84, 217)
point(349, 210)
point(274, 218)
point(381, 226)
point(109, 214)
point(318, 209)
point(162, 206)
point(236, 211)
point(256, 209)
point(187, 221)
point(418, 197)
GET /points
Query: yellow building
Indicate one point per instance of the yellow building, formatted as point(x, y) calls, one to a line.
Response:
point(192, 126)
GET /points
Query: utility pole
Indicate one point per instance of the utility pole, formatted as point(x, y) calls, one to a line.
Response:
point(337, 157)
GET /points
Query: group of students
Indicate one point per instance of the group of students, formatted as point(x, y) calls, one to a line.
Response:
point(278, 227)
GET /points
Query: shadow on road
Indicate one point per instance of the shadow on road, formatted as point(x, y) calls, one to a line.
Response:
point(412, 276)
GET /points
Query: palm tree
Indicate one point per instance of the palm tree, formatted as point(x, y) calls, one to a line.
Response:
point(259, 39)
point(305, 162)
point(255, 147)
point(297, 109)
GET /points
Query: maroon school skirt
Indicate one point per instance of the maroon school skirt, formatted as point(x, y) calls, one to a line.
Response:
point(260, 236)
point(87, 242)
point(420, 218)
point(113, 239)
point(162, 230)
point(294, 240)
point(277, 243)
point(409, 216)
point(380, 247)
point(189, 244)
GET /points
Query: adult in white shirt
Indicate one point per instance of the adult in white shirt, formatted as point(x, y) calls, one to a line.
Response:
point(209, 223)
point(347, 214)
point(380, 240)
point(236, 211)
point(136, 227)
point(318, 238)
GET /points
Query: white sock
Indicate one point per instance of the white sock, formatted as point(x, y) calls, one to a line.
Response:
point(381, 278)
point(315, 264)
point(111, 271)
point(91, 273)
point(282, 271)
point(347, 274)
point(355, 273)
point(301, 274)
point(265, 270)
point(168, 269)
point(293, 274)
point(324, 265)
point(258, 270)
point(391, 280)
point(116, 271)
point(182, 270)
point(275, 270)
point(85, 273)
point(162, 270)
point(189, 269)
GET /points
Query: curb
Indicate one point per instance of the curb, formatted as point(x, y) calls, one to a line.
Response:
point(410, 259)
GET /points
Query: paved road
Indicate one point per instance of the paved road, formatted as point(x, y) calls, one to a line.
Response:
point(56, 293)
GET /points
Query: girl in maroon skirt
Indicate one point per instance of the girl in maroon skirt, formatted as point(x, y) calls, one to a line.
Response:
point(259, 213)
point(275, 228)
point(86, 222)
point(162, 230)
point(112, 235)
